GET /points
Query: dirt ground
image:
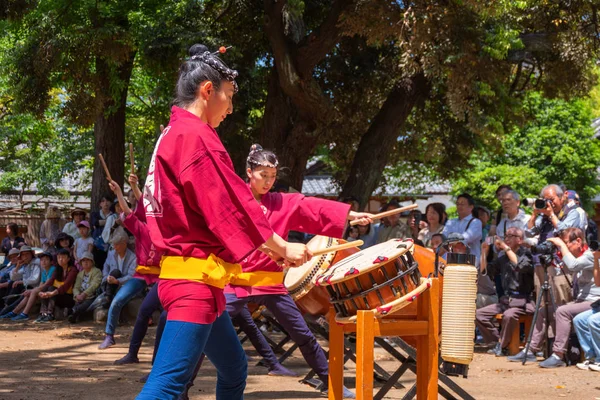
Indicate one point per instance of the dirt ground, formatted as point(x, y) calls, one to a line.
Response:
point(58, 361)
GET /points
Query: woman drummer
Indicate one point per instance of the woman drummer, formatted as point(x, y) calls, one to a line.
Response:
point(205, 220)
point(262, 278)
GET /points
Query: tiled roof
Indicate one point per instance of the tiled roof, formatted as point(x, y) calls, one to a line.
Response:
point(323, 185)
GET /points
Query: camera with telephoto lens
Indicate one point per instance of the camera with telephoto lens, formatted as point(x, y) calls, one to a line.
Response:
point(594, 245)
point(539, 204)
point(544, 248)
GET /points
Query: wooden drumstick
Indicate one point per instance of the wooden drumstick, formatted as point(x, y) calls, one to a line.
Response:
point(105, 167)
point(388, 213)
point(131, 158)
point(339, 247)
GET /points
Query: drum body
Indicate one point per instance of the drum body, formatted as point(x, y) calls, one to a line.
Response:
point(384, 278)
point(300, 281)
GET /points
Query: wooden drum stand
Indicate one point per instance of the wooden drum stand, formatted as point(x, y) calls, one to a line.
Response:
point(425, 328)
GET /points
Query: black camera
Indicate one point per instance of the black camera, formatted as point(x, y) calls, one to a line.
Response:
point(544, 248)
point(539, 204)
point(594, 245)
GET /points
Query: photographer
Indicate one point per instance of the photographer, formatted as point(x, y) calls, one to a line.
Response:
point(515, 266)
point(546, 222)
point(578, 259)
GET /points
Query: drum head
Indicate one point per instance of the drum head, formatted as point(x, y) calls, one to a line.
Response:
point(297, 276)
point(364, 261)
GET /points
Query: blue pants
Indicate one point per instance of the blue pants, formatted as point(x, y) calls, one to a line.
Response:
point(587, 327)
point(287, 314)
point(128, 291)
point(181, 346)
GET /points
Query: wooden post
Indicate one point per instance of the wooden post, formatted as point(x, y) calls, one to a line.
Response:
point(336, 358)
point(428, 346)
point(365, 339)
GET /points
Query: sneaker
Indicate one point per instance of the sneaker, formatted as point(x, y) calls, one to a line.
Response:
point(8, 315)
point(21, 317)
point(347, 393)
point(127, 359)
point(47, 318)
point(595, 367)
point(40, 318)
point(108, 341)
point(280, 370)
point(72, 319)
point(553, 361)
point(520, 356)
point(585, 365)
point(498, 351)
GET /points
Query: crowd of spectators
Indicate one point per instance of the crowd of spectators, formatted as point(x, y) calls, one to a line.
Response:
point(82, 265)
point(511, 272)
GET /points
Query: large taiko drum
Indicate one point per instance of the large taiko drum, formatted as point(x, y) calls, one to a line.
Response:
point(383, 278)
point(300, 281)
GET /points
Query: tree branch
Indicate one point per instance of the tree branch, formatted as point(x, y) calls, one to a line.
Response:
point(321, 40)
point(304, 91)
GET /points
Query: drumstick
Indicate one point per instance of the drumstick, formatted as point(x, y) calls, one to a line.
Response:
point(131, 158)
point(105, 167)
point(388, 213)
point(339, 247)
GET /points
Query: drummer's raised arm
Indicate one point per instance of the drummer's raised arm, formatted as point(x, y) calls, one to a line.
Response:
point(361, 218)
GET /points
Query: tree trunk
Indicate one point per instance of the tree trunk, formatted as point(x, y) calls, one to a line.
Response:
point(109, 129)
point(374, 148)
point(284, 131)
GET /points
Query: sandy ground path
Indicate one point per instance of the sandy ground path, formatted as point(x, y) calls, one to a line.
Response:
point(58, 361)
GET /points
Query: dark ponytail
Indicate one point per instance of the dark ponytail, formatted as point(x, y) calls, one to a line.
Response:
point(201, 66)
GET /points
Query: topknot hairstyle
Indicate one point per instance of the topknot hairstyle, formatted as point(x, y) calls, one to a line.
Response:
point(260, 157)
point(201, 66)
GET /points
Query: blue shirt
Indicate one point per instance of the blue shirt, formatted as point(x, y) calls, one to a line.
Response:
point(472, 236)
point(47, 275)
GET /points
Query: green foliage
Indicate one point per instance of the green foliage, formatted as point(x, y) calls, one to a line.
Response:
point(555, 145)
point(41, 152)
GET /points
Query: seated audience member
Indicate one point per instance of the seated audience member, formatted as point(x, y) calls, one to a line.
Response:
point(61, 292)
point(392, 227)
point(587, 327)
point(12, 259)
point(65, 241)
point(87, 283)
point(84, 244)
point(579, 260)
point(11, 241)
point(30, 297)
point(352, 233)
point(515, 266)
point(118, 272)
point(71, 228)
point(434, 214)
point(366, 233)
point(26, 275)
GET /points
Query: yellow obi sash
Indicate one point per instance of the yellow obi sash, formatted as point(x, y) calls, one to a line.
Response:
point(213, 271)
point(258, 278)
point(145, 270)
point(58, 284)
